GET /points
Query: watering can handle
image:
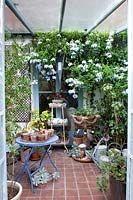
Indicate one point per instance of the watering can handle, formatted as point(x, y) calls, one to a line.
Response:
point(98, 144)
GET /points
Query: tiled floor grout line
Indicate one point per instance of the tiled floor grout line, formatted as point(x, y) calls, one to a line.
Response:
point(53, 180)
point(76, 182)
point(87, 182)
point(65, 181)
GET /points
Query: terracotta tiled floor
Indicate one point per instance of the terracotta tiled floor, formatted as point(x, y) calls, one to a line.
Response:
point(76, 182)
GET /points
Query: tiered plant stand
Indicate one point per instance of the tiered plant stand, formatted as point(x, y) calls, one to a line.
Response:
point(61, 122)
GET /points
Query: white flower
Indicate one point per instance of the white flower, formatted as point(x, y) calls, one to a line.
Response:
point(47, 39)
point(83, 68)
point(125, 92)
point(45, 60)
point(109, 55)
point(77, 41)
point(94, 45)
point(70, 64)
point(125, 62)
point(53, 71)
point(18, 74)
point(123, 69)
point(50, 66)
point(54, 77)
point(87, 42)
point(67, 43)
point(53, 59)
point(73, 53)
point(46, 66)
point(83, 62)
point(121, 76)
point(59, 35)
point(34, 82)
point(99, 76)
point(75, 96)
point(90, 61)
point(71, 91)
point(39, 42)
point(34, 54)
point(108, 47)
point(115, 76)
point(98, 65)
point(47, 78)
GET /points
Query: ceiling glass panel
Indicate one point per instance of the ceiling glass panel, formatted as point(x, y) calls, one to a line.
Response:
point(44, 15)
point(41, 15)
point(12, 23)
point(80, 15)
point(117, 21)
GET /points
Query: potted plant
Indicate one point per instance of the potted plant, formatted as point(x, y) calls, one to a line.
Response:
point(85, 117)
point(14, 188)
point(78, 136)
point(39, 122)
point(114, 174)
point(37, 126)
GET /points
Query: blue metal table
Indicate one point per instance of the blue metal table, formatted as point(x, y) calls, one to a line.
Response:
point(42, 162)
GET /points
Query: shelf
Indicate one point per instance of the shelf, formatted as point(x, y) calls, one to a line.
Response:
point(58, 122)
point(57, 105)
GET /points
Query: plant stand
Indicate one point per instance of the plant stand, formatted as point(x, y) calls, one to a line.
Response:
point(44, 160)
point(59, 122)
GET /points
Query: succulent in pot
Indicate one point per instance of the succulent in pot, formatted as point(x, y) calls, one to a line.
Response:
point(78, 137)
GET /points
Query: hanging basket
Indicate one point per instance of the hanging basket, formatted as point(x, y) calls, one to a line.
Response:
point(85, 121)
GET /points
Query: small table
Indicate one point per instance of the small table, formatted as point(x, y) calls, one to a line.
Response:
point(43, 163)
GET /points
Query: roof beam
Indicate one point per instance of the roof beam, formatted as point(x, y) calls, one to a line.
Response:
point(106, 15)
point(62, 14)
point(12, 7)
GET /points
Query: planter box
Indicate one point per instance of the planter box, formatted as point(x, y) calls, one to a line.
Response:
point(117, 189)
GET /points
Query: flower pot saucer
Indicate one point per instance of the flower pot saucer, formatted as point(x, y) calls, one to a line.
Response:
point(85, 159)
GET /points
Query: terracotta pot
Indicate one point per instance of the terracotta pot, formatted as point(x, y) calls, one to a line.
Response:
point(41, 137)
point(33, 137)
point(17, 186)
point(77, 140)
point(51, 132)
point(25, 136)
point(35, 156)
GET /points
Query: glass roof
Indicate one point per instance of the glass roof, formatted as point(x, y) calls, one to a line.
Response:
point(68, 15)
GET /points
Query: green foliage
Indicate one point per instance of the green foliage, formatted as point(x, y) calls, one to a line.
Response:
point(17, 86)
point(39, 122)
point(74, 151)
point(102, 183)
point(115, 168)
point(17, 82)
point(12, 128)
point(84, 111)
point(92, 61)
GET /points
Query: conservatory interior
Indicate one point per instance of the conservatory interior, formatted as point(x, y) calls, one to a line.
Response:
point(66, 100)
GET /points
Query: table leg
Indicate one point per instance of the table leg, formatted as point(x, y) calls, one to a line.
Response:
point(26, 167)
point(49, 158)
